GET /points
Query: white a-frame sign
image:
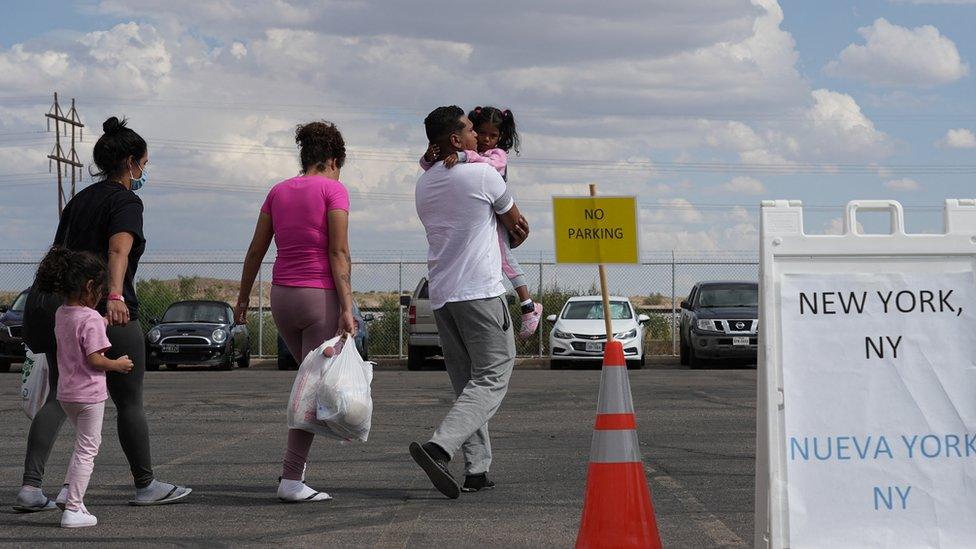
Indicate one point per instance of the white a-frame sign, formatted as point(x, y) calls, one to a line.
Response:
point(867, 382)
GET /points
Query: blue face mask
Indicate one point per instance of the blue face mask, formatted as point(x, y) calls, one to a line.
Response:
point(137, 184)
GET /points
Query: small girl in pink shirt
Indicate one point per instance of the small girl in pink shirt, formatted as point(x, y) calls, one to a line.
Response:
point(81, 279)
point(496, 136)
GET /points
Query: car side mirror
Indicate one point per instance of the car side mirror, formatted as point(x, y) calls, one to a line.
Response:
point(368, 317)
point(405, 300)
point(684, 305)
point(551, 318)
point(4, 308)
point(154, 321)
point(643, 319)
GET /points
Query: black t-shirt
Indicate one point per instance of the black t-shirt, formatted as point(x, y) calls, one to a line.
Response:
point(95, 214)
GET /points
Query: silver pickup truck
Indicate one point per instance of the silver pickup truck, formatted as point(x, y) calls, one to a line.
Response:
point(422, 339)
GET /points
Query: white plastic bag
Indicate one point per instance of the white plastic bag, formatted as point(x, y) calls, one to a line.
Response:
point(344, 400)
point(33, 383)
point(336, 385)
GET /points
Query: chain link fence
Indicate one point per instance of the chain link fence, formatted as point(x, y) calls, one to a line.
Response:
point(655, 287)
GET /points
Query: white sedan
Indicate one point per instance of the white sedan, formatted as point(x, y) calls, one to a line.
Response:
point(579, 333)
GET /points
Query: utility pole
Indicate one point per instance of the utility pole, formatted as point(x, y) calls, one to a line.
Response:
point(72, 161)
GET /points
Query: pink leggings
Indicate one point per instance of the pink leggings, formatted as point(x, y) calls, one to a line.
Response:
point(306, 317)
point(87, 420)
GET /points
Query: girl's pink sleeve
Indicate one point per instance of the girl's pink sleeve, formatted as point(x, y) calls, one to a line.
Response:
point(496, 157)
point(424, 165)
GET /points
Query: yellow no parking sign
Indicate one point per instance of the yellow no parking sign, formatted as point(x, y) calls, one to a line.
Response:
point(596, 229)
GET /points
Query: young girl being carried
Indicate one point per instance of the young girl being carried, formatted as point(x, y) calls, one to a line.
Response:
point(496, 137)
point(82, 279)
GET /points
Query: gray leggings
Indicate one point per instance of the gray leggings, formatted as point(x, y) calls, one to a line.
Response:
point(126, 393)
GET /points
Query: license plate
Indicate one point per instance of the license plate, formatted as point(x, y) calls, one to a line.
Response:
point(594, 346)
point(740, 341)
point(171, 348)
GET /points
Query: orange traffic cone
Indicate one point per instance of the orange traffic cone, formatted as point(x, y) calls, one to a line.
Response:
point(617, 510)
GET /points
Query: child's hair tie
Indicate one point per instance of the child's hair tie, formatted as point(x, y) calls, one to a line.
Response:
point(477, 110)
point(506, 113)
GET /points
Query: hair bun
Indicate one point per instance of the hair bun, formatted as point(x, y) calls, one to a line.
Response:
point(113, 125)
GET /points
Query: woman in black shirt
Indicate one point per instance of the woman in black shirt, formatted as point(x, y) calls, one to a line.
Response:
point(105, 218)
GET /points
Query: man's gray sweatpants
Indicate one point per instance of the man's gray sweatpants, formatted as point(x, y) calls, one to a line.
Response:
point(479, 351)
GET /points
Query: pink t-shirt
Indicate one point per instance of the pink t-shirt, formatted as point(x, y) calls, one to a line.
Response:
point(80, 331)
point(299, 210)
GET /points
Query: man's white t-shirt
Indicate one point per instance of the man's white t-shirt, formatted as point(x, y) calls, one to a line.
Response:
point(457, 207)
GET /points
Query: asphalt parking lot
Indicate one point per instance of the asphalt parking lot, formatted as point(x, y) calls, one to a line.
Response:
point(222, 433)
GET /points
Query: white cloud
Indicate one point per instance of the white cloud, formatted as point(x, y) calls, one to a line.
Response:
point(960, 138)
point(835, 226)
point(836, 128)
point(218, 95)
point(744, 185)
point(899, 56)
point(903, 184)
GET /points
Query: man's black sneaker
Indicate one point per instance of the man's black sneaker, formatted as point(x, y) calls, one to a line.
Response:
point(436, 470)
point(474, 483)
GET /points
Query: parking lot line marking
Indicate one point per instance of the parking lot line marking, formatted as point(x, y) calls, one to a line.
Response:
point(708, 523)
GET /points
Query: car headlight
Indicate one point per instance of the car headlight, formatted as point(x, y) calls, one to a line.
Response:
point(154, 335)
point(626, 335)
point(558, 334)
point(706, 325)
point(219, 335)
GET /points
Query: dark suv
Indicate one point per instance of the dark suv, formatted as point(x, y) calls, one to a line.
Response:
point(11, 328)
point(720, 320)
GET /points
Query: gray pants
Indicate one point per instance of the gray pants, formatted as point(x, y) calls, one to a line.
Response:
point(479, 351)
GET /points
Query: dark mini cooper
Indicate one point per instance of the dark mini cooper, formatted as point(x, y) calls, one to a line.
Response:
point(11, 336)
point(198, 333)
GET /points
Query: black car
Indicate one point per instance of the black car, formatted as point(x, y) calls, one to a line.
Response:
point(198, 333)
point(287, 362)
point(11, 332)
point(720, 320)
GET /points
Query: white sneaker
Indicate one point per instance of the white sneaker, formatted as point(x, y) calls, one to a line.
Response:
point(78, 519)
point(296, 491)
point(62, 499)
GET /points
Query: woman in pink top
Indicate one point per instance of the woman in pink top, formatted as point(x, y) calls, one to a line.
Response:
point(81, 278)
point(311, 293)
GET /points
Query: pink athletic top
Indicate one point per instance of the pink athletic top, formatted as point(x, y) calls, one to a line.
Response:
point(299, 210)
point(80, 331)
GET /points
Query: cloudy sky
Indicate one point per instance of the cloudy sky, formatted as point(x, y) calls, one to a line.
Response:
point(700, 108)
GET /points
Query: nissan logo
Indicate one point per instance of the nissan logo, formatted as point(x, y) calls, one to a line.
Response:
point(740, 325)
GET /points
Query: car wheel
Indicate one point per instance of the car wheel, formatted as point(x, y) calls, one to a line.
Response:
point(416, 358)
point(152, 366)
point(245, 360)
point(683, 352)
point(228, 362)
point(634, 364)
point(694, 361)
point(5, 365)
point(555, 364)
